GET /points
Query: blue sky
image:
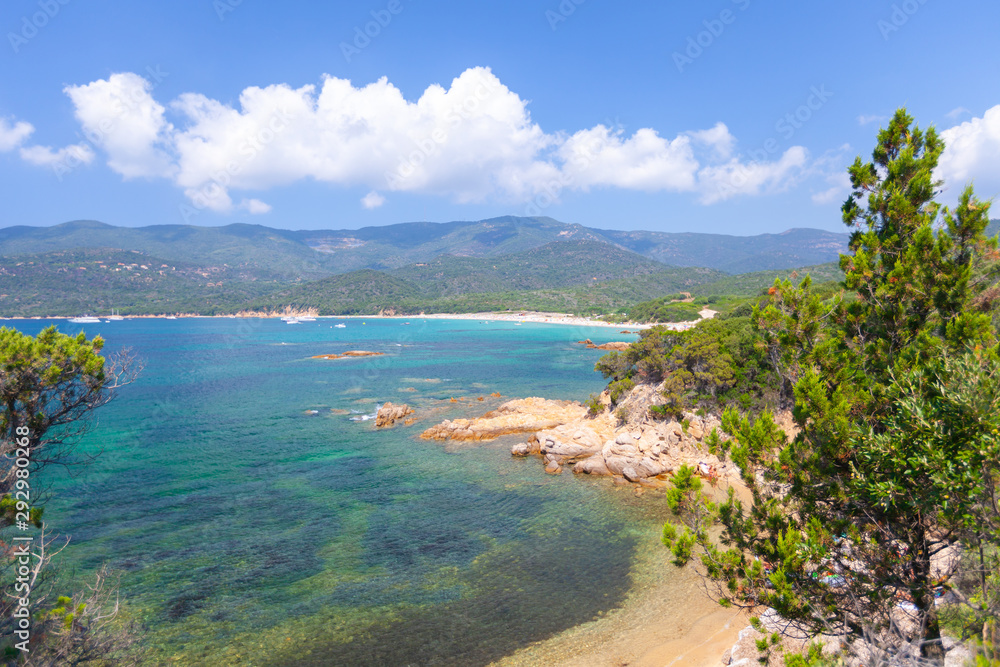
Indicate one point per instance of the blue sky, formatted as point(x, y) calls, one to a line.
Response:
point(728, 116)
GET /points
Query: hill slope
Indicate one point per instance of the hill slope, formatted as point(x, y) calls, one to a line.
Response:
point(314, 254)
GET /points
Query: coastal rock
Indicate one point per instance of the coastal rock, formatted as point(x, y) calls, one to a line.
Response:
point(594, 465)
point(389, 413)
point(553, 468)
point(520, 449)
point(526, 415)
point(349, 353)
point(620, 346)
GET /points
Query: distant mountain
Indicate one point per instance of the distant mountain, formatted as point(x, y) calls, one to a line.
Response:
point(736, 254)
point(90, 267)
point(580, 275)
point(274, 253)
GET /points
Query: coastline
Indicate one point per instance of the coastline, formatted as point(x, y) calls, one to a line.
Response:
point(526, 317)
point(647, 630)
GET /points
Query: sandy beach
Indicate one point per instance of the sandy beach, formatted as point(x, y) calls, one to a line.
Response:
point(667, 620)
point(526, 316)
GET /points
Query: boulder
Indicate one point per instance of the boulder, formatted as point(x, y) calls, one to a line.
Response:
point(595, 465)
point(390, 412)
point(520, 449)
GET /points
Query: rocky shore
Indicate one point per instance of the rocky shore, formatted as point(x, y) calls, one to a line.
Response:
point(638, 449)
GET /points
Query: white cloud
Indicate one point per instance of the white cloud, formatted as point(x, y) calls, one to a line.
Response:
point(972, 153)
point(718, 138)
point(958, 111)
point(120, 116)
point(255, 206)
point(472, 141)
point(372, 200)
point(11, 136)
point(721, 182)
point(644, 161)
point(840, 187)
point(867, 120)
point(45, 156)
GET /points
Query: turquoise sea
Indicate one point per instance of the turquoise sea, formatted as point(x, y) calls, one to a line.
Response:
point(258, 518)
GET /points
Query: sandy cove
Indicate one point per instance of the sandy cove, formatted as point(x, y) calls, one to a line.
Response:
point(641, 452)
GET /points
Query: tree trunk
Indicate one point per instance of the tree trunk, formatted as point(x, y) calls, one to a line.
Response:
point(931, 647)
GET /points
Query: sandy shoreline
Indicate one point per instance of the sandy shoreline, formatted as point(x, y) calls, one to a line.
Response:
point(649, 630)
point(532, 317)
point(524, 316)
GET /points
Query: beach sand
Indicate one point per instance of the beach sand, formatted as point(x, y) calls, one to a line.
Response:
point(668, 619)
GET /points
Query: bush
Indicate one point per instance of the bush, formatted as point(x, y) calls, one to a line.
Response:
point(619, 388)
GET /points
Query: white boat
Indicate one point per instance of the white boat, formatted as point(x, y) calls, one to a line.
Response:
point(340, 326)
point(170, 317)
point(307, 319)
point(85, 320)
point(292, 320)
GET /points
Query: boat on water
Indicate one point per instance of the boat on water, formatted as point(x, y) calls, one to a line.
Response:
point(85, 320)
point(306, 319)
point(170, 317)
point(340, 326)
point(292, 320)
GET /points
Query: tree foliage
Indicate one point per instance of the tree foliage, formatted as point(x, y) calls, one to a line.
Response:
point(713, 363)
point(50, 384)
point(895, 387)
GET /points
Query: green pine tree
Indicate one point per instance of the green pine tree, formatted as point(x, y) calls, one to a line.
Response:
point(898, 400)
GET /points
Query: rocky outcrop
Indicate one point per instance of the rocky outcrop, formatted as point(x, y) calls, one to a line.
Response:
point(389, 413)
point(614, 345)
point(525, 415)
point(349, 353)
point(636, 448)
point(624, 441)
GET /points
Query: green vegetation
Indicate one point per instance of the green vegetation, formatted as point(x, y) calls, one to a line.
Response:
point(897, 397)
point(666, 309)
point(315, 254)
point(711, 365)
point(95, 281)
point(49, 387)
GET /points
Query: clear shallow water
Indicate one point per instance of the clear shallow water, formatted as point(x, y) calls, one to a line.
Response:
point(251, 531)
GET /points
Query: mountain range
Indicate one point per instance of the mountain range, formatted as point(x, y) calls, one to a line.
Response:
point(288, 254)
point(509, 262)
